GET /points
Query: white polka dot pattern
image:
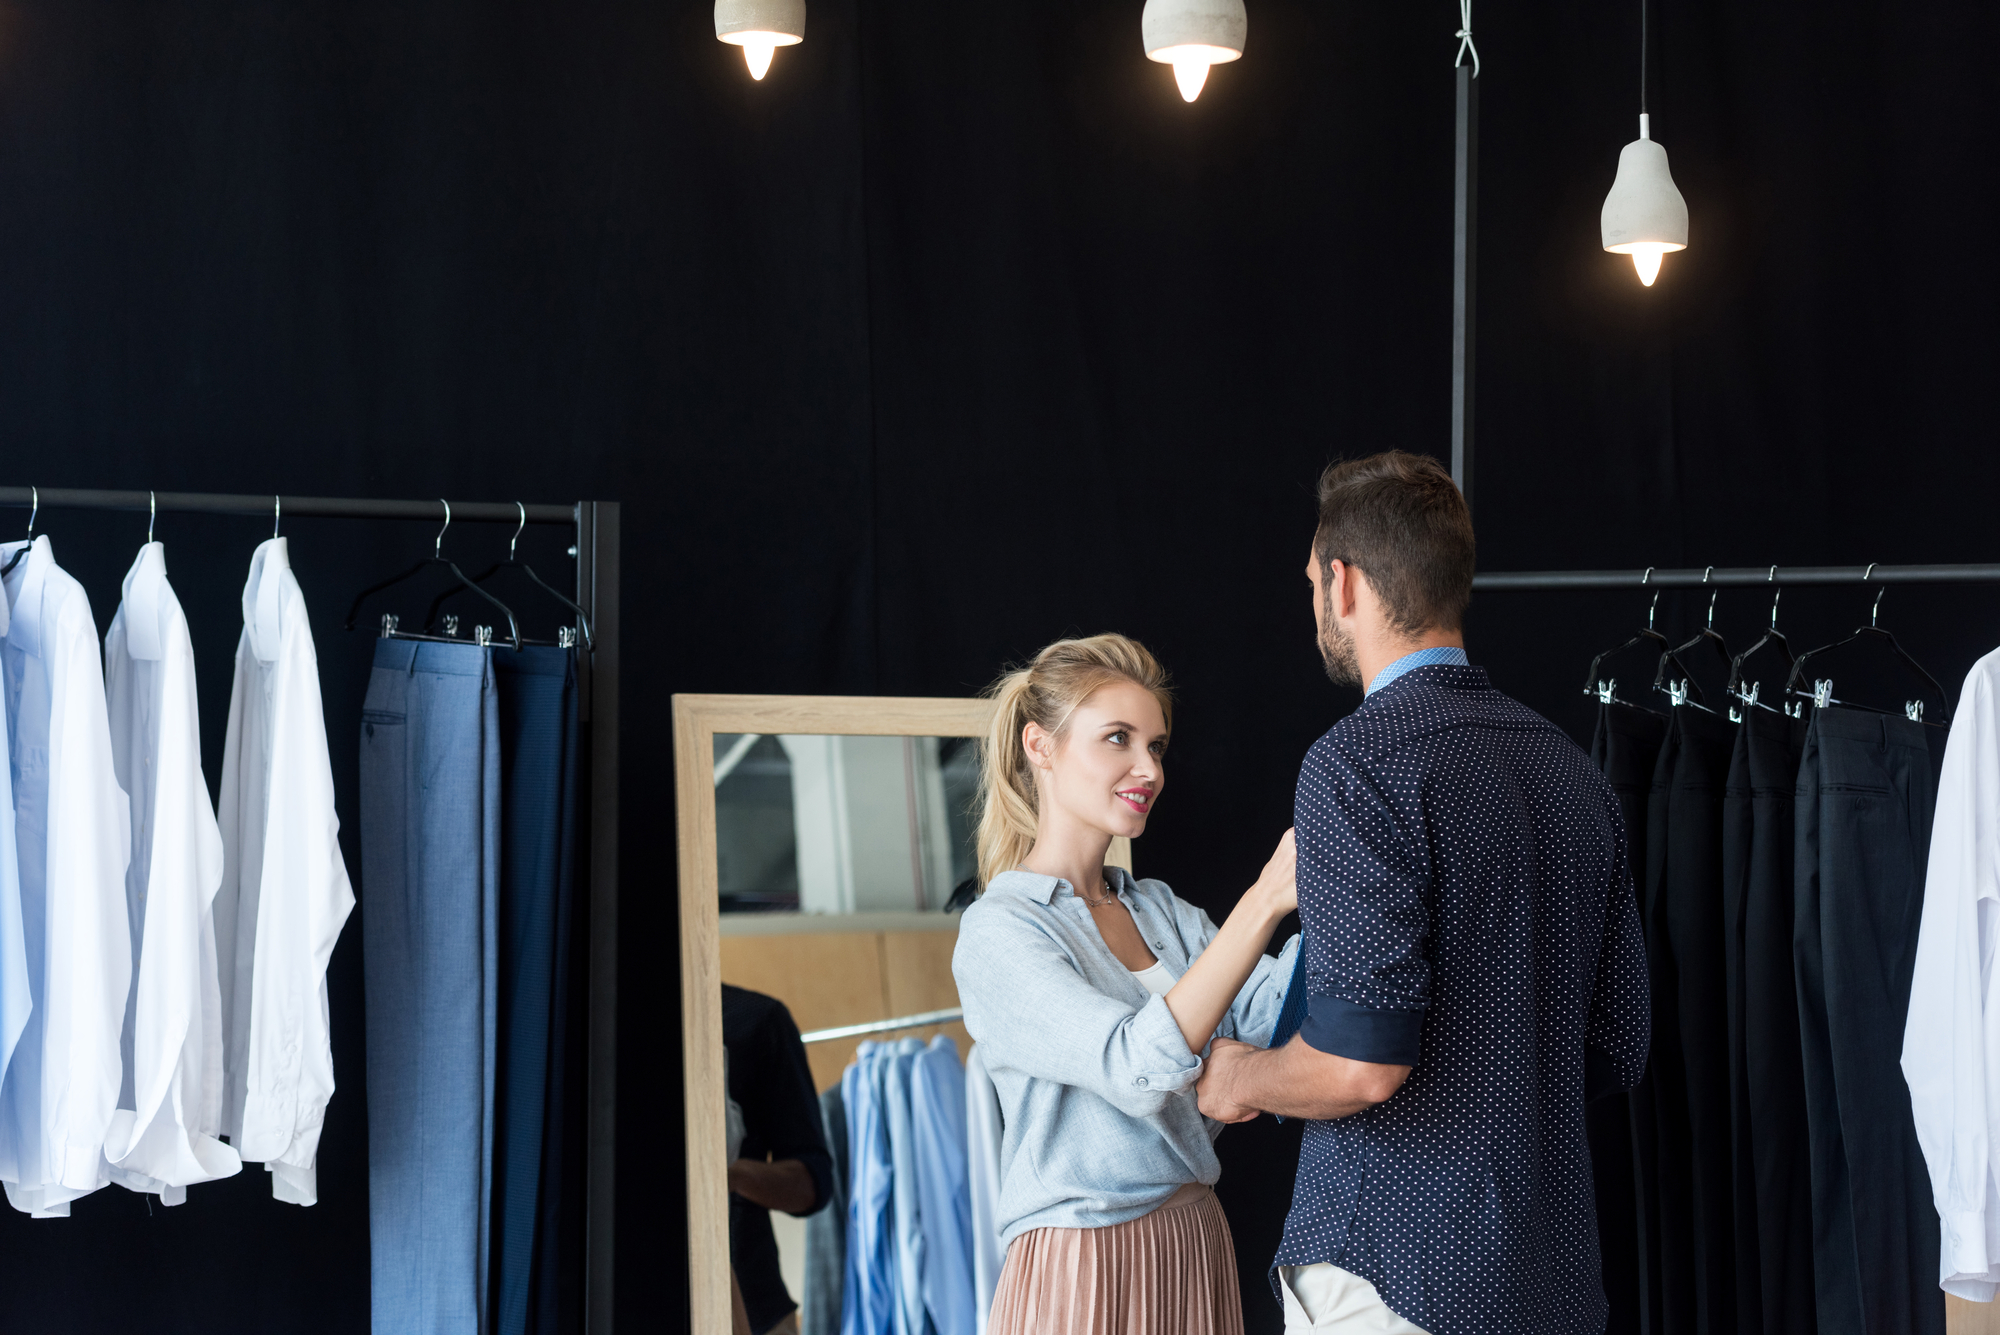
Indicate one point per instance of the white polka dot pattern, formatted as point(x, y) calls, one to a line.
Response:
point(1460, 857)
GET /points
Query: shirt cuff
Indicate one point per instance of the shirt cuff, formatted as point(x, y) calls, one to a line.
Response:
point(1364, 1033)
point(1165, 1066)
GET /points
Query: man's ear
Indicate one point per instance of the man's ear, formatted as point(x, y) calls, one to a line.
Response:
point(1341, 593)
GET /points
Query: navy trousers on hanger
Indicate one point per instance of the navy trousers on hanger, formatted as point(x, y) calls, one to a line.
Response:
point(430, 854)
point(1866, 794)
point(1692, 890)
point(1659, 1105)
point(1770, 1155)
point(537, 710)
point(1625, 747)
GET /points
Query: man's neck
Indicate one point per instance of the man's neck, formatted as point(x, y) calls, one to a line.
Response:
point(1372, 658)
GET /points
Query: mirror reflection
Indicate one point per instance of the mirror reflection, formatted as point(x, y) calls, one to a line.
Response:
point(844, 824)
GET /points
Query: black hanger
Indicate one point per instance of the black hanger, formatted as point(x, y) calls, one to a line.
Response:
point(436, 558)
point(513, 562)
point(1690, 690)
point(1606, 690)
point(1775, 638)
point(1822, 692)
point(33, 510)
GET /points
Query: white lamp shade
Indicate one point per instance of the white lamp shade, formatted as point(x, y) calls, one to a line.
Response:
point(1218, 25)
point(1644, 211)
point(760, 22)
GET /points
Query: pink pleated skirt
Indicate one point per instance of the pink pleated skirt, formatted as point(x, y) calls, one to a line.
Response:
point(1171, 1272)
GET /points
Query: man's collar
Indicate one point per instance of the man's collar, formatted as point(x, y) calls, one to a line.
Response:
point(1449, 655)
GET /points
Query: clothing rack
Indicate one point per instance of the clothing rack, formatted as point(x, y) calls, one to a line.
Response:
point(595, 551)
point(1736, 576)
point(883, 1026)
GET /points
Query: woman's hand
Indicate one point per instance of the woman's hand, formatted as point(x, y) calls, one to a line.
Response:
point(1278, 883)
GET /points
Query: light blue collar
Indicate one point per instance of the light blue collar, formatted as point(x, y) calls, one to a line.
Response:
point(1449, 655)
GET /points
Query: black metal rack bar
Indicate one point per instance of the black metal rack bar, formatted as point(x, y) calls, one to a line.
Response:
point(1718, 576)
point(596, 552)
point(288, 507)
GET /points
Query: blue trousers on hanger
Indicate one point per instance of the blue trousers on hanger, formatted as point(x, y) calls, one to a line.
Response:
point(430, 902)
point(537, 731)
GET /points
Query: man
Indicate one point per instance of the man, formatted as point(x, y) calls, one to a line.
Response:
point(783, 1163)
point(1472, 958)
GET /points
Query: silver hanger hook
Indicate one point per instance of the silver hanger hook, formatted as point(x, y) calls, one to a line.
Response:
point(152, 513)
point(1711, 607)
point(437, 544)
point(511, 542)
point(34, 508)
point(1654, 608)
point(277, 513)
point(1876, 610)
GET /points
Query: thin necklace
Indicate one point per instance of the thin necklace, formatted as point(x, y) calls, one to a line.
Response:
point(1109, 895)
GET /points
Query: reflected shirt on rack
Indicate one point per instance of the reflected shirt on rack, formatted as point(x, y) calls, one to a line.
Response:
point(285, 893)
point(73, 833)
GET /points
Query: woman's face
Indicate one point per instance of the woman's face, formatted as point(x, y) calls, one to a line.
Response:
point(1106, 770)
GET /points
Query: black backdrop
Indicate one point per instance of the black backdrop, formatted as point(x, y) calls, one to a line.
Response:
point(959, 332)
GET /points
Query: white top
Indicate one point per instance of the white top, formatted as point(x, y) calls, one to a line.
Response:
point(285, 892)
point(1951, 1041)
point(73, 832)
point(983, 1133)
point(1159, 980)
point(163, 1137)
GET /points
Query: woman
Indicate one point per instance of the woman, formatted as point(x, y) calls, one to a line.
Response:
point(1092, 997)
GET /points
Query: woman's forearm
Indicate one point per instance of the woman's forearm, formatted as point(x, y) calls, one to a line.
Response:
point(1204, 993)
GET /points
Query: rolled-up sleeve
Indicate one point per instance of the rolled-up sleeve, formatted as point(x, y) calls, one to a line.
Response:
point(1362, 878)
point(1253, 1016)
point(1026, 1002)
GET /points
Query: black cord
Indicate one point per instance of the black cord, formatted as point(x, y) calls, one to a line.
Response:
point(1642, 57)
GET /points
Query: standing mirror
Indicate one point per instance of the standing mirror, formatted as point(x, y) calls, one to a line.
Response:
point(826, 846)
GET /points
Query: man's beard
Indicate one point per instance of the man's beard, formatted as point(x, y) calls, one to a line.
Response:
point(1336, 651)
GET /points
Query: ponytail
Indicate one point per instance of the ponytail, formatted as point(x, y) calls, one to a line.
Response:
point(1047, 691)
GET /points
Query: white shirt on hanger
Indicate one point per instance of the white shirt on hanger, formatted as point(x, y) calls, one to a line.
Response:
point(73, 832)
point(163, 1136)
point(983, 1133)
point(1951, 1040)
point(285, 893)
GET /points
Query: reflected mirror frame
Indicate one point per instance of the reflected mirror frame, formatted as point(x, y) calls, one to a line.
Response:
point(697, 718)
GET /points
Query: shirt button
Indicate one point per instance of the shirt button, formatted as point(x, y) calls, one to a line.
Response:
point(1140, 1082)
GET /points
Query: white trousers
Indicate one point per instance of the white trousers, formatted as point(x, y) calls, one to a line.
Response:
point(1323, 1299)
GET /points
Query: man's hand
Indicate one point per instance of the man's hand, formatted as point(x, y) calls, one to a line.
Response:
point(1213, 1090)
point(785, 1185)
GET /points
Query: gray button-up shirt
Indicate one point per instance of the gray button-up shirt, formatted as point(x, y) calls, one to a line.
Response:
point(1096, 1083)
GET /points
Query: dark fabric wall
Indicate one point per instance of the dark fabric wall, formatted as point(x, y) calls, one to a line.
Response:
point(959, 332)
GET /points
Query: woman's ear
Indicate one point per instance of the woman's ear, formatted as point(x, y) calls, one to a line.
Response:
point(1039, 745)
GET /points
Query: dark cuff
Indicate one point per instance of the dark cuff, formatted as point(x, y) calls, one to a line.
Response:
point(1364, 1033)
point(1600, 1075)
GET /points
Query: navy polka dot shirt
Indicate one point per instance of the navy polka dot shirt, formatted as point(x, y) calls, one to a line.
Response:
point(1468, 913)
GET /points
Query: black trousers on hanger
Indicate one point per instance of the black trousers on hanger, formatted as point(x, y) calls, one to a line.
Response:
point(1865, 798)
point(1625, 747)
point(1770, 1160)
point(1692, 894)
point(1659, 1105)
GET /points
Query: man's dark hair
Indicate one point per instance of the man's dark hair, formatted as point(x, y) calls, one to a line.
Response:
point(1400, 518)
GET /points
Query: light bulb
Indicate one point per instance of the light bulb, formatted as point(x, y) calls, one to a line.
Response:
point(1191, 74)
point(757, 55)
point(759, 27)
point(1646, 259)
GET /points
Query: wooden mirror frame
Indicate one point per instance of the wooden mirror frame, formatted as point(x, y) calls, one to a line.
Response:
point(697, 718)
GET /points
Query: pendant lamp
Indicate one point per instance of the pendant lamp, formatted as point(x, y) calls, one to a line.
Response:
point(1644, 215)
point(760, 27)
point(1191, 35)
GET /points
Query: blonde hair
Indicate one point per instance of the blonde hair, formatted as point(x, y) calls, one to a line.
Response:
point(1047, 691)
